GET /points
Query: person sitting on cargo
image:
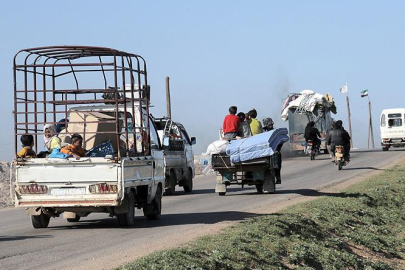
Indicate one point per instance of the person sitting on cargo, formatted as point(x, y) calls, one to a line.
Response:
point(27, 141)
point(231, 124)
point(244, 127)
point(268, 124)
point(255, 125)
point(311, 133)
point(51, 138)
point(75, 148)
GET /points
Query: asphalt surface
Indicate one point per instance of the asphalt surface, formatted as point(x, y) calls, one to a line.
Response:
point(97, 242)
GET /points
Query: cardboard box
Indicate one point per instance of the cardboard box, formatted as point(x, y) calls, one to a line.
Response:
point(86, 129)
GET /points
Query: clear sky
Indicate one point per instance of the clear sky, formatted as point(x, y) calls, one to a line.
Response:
point(221, 53)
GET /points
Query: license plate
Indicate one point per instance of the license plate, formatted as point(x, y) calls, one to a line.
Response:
point(68, 191)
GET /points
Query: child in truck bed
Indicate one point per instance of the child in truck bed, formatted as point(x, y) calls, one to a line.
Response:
point(75, 148)
point(27, 141)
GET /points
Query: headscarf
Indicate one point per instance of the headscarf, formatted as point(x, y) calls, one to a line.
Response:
point(53, 133)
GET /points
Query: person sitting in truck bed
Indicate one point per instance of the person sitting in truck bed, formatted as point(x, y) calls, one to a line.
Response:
point(75, 148)
point(231, 124)
point(27, 141)
point(244, 127)
point(255, 125)
point(51, 138)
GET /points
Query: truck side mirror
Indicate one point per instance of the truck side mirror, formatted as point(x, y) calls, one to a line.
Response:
point(193, 140)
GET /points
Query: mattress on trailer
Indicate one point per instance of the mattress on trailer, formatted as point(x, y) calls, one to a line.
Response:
point(258, 146)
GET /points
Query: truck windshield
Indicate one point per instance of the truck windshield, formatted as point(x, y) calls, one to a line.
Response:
point(395, 122)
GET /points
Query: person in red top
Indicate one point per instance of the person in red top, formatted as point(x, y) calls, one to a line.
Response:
point(231, 124)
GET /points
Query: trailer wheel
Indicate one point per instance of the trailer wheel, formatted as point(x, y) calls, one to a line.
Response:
point(188, 187)
point(41, 221)
point(259, 188)
point(128, 218)
point(76, 219)
point(221, 193)
point(170, 190)
point(153, 210)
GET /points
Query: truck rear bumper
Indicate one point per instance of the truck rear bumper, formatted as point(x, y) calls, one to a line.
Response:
point(73, 203)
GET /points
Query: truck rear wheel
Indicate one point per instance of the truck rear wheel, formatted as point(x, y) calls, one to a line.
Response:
point(188, 187)
point(40, 221)
point(259, 188)
point(170, 190)
point(128, 218)
point(153, 210)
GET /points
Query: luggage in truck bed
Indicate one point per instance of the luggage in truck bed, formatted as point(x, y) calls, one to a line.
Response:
point(223, 161)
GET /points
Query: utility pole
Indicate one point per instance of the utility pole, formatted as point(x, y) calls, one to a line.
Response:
point(370, 126)
point(344, 89)
point(349, 121)
point(168, 105)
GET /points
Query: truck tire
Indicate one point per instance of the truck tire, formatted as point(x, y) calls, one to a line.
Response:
point(153, 210)
point(259, 188)
point(188, 187)
point(170, 190)
point(221, 193)
point(76, 219)
point(128, 219)
point(41, 221)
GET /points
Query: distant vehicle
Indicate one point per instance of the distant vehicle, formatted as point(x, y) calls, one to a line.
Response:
point(178, 155)
point(123, 169)
point(301, 108)
point(392, 128)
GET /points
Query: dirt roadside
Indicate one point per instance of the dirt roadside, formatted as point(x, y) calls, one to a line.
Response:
point(5, 198)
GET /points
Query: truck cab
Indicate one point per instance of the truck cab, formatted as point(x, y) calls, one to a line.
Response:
point(392, 128)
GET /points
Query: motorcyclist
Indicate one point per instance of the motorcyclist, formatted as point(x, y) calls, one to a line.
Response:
point(339, 136)
point(312, 133)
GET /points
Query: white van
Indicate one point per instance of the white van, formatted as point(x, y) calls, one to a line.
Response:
point(392, 128)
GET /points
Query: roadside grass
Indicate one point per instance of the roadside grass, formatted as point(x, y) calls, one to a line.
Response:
point(362, 227)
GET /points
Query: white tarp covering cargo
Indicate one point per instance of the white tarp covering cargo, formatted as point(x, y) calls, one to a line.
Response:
point(306, 101)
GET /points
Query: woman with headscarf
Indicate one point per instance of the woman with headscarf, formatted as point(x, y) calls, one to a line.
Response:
point(51, 139)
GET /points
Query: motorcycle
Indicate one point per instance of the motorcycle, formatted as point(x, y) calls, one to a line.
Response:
point(339, 156)
point(312, 150)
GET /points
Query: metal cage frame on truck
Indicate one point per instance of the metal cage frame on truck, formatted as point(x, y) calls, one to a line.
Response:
point(47, 83)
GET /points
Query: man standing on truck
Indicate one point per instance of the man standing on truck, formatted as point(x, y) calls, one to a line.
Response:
point(231, 124)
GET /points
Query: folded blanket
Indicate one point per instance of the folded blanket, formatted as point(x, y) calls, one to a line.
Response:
point(258, 146)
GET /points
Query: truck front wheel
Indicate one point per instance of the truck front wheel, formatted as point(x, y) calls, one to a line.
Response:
point(188, 187)
point(40, 221)
point(153, 210)
point(128, 218)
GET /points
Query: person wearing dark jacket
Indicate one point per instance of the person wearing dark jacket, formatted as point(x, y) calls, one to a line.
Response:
point(312, 133)
point(339, 136)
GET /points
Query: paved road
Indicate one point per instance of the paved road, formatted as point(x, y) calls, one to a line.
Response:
point(97, 241)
